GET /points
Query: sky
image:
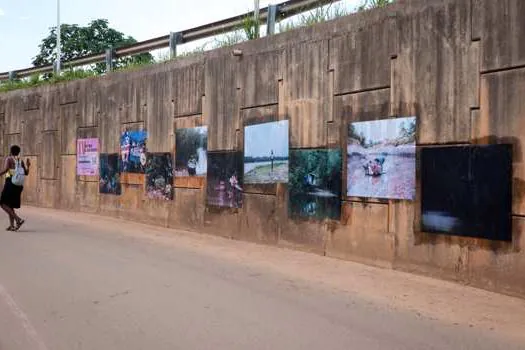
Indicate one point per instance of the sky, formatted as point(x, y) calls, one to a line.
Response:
point(385, 129)
point(24, 23)
point(260, 139)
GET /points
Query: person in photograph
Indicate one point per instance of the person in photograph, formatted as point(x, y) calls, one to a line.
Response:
point(143, 156)
point(192, 166)
point(271, 159)
point(235, 190)
point(234, 183)
point(12, 193)
point(126, 149)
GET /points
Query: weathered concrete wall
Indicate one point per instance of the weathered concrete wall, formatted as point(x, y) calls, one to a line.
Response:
point(459, 65)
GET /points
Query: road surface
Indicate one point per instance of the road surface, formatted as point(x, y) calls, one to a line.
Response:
point(76, 281)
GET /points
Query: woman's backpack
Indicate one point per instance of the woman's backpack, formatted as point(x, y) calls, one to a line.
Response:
point(20, 174)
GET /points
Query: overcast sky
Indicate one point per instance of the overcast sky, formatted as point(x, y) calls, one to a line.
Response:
point(379, 130)
point(260, 139)
point(24, 23)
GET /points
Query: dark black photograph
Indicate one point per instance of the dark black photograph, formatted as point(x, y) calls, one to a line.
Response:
point(467, 191)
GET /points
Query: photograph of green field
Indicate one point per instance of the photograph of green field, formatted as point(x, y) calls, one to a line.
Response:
point(266, 153)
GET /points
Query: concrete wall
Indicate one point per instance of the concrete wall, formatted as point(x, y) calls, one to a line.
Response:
point(458, 65)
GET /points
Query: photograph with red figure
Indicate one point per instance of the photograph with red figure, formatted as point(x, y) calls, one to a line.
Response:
point(381, 159)
point(225, 179)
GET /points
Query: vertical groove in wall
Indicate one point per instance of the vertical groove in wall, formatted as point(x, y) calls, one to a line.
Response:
point(476, 19)
point(331, 116)
point(390, 219)
point(393, 65)
point(474, 54)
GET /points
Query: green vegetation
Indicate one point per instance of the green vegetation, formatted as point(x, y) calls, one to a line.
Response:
point(264, 173)
point(187, 142)
point(196, 51)
point(248, 30)
point(97, 36)
point(251, 28)
point(327, 13)
point(324, 165)
point(359, 137)
point(370, 4)
point(265, 169)
point(38, 80)
point(263, 159)
point(78, 41)
point(229, 39)
point(318, 15)
point(406, 134)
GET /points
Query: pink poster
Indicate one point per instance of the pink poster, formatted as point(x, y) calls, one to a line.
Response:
point(87, 157)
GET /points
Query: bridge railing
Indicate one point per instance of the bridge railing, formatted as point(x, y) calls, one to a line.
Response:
point(267, 15)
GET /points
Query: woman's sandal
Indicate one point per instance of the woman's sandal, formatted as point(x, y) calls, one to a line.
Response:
point(19, 224)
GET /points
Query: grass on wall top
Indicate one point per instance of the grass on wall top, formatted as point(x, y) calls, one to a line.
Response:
point(249, 30)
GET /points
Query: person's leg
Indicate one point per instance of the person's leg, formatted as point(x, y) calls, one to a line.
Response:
point(10, 213)
point(17, 218)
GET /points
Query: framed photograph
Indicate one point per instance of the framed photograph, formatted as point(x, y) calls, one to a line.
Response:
point(225, 179)
point(159, 176)
point(109, 182)
point(266, 153)
point(381, 159)
point(467, 191)
point(133, 151)
point(315, 184)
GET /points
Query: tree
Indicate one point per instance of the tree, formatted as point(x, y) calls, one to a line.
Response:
point(370, 4)
point(187, 142)
point(77, 41)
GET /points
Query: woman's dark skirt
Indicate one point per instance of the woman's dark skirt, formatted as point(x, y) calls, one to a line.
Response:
point(11, 194)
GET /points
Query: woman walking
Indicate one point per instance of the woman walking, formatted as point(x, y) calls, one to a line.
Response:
point(15, 170)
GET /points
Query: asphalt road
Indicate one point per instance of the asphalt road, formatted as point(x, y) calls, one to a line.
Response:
point(76, 281)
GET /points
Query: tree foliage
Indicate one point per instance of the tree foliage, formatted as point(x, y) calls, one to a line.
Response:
point(187, 143)
point(359, 137)
point(77, 41)
point(325, 165)
point(408, 132)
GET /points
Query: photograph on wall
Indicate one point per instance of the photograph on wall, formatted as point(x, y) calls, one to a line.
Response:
point(225, 179)
point(87, 157)
point(159, 176)
point(381, 159)
point(315, 184)
point(191, 146)
point(467, 191)
point(266, 153)
point(109, 174)
point(133, 151)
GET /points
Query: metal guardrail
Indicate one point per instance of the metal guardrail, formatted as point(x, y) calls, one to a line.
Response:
point(267, 15)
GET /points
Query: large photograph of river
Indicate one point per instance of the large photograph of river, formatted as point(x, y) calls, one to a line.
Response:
point(266, 153)
point(191, 146)
point(315, 184)
point(381, 159)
